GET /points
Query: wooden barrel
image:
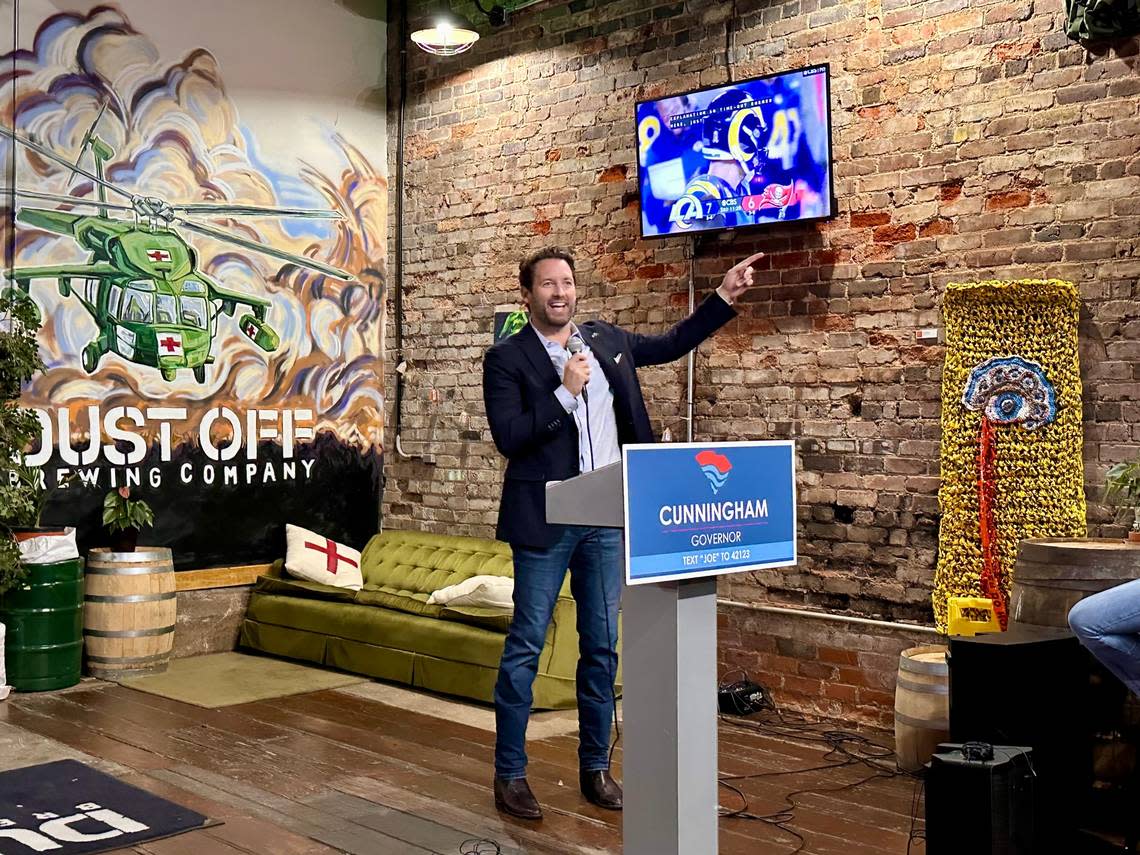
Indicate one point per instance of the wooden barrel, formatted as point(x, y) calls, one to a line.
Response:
point(1053, 574)
point(922, 705)
point(129, 612)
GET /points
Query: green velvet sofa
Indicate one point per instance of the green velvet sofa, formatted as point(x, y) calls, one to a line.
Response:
point(388, 630)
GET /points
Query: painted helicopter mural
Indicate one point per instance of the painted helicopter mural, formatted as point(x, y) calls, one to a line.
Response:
point(141, 283)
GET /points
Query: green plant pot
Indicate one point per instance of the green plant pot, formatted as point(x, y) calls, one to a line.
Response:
point(43, 616)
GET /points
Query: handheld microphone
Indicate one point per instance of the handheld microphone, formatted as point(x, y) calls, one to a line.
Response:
point(575, 346)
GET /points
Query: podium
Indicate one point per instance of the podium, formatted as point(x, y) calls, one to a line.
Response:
point(669, 733)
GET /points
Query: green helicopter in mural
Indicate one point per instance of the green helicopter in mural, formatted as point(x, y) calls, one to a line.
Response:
point(141, 284)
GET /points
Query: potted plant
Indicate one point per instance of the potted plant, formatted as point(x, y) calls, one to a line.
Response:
point(41, 577)
point(123, 517)
point(22, 492)
point(1122, 484)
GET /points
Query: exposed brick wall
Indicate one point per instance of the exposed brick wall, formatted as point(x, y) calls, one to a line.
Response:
point(824, 667)
point(971, 140)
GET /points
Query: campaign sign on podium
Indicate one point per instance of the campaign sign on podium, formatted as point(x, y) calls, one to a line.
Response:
point(694, 509)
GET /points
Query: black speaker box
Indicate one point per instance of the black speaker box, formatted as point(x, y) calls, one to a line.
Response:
point(978, 804)
point(1028, 686)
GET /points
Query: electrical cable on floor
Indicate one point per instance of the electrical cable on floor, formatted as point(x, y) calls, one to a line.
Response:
point(845, 749)
point(915, 801)
point(479, 846)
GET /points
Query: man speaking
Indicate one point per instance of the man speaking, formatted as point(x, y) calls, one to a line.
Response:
point(561, 400)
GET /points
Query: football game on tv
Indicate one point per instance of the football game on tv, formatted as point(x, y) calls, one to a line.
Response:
point(743, 154)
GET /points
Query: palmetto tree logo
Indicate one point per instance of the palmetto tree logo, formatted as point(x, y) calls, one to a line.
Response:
point(716, 468)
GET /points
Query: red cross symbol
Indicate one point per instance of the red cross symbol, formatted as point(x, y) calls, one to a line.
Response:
point(332, 557)
point(158, 255)
point(170, 344)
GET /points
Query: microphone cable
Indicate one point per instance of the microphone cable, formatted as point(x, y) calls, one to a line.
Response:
point(589, 433)
point(611, 639)
point(575, 346)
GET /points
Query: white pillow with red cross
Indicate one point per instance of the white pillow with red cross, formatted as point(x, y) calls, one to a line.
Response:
point(320, 559)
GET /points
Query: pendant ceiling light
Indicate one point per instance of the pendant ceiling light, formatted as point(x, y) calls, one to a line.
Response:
point(444, 33)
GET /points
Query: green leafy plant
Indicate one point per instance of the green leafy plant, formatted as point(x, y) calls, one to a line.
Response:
point(1122, 486)
point(121, 512)
point(22, 490)
point(513, 322)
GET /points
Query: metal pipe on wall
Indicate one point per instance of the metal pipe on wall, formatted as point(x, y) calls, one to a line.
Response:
point(398, 261)
point(691, 363)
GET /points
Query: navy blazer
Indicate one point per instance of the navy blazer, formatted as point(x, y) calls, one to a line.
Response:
point(539, 438)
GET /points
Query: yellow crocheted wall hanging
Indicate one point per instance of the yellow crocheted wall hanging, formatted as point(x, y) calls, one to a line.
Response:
point(1011, 432)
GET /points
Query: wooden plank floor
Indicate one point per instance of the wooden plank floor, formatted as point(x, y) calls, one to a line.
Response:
point(333, 772)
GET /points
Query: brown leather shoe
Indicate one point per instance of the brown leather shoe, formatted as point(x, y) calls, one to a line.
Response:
point(513, 796)
point(601, 789)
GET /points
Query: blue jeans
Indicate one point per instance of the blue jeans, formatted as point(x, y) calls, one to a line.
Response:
point(1108, 624)
point(594, 557)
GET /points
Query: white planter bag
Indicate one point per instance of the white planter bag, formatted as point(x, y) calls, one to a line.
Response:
point(49, 548)
point(4, 687)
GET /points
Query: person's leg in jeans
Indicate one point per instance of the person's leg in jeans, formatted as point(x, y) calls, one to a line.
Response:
point(538, 579)
point(595, 581)
point(1108, 624)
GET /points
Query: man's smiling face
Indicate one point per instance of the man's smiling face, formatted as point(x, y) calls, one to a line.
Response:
point(552, 297)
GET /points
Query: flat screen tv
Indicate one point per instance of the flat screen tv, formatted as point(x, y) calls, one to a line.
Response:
point(744, 154)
